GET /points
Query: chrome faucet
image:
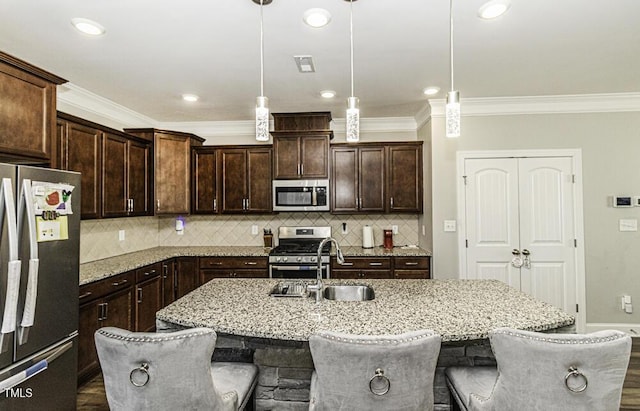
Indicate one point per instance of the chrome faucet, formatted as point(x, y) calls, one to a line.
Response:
point(317, 287)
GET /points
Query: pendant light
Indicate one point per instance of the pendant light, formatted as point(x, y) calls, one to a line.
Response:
point(262, 102)
point(452, 111)
point(353, 111)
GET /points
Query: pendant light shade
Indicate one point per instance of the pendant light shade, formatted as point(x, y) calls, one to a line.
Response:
point(262, 103)
point(353, 110)
point(452, 109)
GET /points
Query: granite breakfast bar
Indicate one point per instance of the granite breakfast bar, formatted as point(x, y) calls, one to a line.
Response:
point(273, 332)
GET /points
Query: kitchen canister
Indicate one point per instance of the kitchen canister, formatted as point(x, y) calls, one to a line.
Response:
point(388, 239)
point(367, 237)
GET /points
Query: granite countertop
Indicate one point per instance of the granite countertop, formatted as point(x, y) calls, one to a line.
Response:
point(457, 309)
point(100, 269)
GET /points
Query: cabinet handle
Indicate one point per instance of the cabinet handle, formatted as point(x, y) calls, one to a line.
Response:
point(215, 204)
point(139, 295)
point(347, 264)
point(165, 271)
point(298, 169)
point(106, 311)
point(85, 295)
point(359, 202)
point(148, 273)
point(215, 263)
point(302, 169)
point(250, 263)
point(407, 263)
point(375, 264)
point(391, 202)
point(247, 204)
point(132, 203)
point(119, 283)
point(100, 312)
point(158, 205)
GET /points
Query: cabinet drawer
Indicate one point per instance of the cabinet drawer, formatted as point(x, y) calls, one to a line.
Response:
point(233, 262)
point(207, 275)
point(411, 274)
point(360, 274)
point(148, 272)
point(376, 263)
point(411, 263)
point(106, 286)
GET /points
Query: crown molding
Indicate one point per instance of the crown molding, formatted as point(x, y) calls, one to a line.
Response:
point(561, 104)
point(423, 116)
point(379, 124)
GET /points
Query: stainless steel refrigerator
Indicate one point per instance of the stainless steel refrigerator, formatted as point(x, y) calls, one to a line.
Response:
point(39, 263)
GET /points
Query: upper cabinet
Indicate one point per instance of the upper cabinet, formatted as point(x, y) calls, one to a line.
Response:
point(115, 167)
point(301, 145)
point(204, 180)
point(245, 179)
point(27, 111)
point(171, 167)
point(376, 178)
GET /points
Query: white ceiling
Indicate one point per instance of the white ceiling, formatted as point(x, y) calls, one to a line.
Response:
point(155, 50)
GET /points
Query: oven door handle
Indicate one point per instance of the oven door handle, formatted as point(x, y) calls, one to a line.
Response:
point(297, 267)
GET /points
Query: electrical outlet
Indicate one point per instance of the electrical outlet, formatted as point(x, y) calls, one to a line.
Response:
point(121, 235)
point(394, 228)
point(254, 229)
point(449, 226)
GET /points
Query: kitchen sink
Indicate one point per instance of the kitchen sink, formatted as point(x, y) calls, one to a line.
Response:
point(349, 293)
point(289, 289)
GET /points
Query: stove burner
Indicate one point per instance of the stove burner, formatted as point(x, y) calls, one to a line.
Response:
point(300, 248)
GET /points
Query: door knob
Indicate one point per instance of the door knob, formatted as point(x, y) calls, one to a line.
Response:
point(527, 261)
point(516, 261)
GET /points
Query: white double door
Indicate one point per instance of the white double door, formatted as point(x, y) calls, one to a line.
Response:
point(520, 228)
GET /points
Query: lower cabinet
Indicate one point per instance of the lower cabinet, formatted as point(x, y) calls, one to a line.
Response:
point(148, 296)
point(186, 272)
point(233, 267)
point(105, 303)
point(411, 267)
point(361, 268)
point(169, 282)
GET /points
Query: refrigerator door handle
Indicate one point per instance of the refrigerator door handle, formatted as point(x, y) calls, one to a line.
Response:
point(34, 369)
point(7, 207)
point(28, 315)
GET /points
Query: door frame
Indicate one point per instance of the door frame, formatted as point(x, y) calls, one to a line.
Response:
point(578, 215)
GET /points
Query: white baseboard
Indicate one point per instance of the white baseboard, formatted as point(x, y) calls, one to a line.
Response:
point(631, 329)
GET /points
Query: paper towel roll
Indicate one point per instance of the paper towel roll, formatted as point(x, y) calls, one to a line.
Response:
point(367, 237)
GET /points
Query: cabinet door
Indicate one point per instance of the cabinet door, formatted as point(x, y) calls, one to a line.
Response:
point(344, 179)
point(204, 181)
point(314, 153)
point(81, 147)
point(172, 168)
point(371, 178)
point(287, 157)
point(114, 175)
point(119, 310)
point(168, 282)
point(405, 178)
point(234, 178)
point(87, 326)
point(259, 180)
point(187, 275)
point(148, 302)
point(139, 172)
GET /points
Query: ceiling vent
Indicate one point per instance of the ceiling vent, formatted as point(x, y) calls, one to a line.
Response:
point(305, 64)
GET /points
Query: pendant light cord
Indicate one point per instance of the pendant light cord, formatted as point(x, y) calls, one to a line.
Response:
point(261, 53)
point(351, 35)
point(451, 40)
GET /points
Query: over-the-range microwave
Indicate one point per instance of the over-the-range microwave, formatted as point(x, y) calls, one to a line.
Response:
point(300, 195)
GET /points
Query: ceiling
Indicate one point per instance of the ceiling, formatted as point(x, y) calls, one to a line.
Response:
point(156, 50)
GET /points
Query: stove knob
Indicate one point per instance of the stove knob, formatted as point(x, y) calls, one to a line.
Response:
point(278, 259)
point(314, 259)
point(284, 259)
point(299, 259)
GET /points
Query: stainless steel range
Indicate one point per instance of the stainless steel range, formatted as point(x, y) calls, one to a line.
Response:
point(296, 253)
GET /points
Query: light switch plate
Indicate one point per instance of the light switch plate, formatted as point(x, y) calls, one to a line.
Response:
point(254, 229)
point(121, 235)
point(449, 226)
point(629, 224)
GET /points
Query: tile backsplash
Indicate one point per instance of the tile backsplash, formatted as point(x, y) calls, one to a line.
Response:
point(99, 238)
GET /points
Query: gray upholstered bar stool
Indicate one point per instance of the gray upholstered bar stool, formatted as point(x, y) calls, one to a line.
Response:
point(383, 372)
point(170, 371)
point(539, 371)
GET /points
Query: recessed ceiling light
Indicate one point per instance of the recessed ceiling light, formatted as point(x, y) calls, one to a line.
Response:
point(431, 91)
point(493, 9)
point(87, 26)
point(328, 93)
point(191, 98)
point(316, 17)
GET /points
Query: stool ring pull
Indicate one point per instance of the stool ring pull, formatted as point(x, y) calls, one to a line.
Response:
point(379, 384)
point(573, 374)
point(142, 369)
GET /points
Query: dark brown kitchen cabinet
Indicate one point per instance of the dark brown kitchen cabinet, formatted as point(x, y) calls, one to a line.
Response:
point(171, 168)
point(376, 178)
point(104, 303)
point(186, 272)
point(233, 267)
point(405, 178)
point(148, 296)
point(169, 282)
point(246, 180)
point(27, 111)
point(125, 176)
point(362, 268)
point(412, 267)
point(300, 154)
point(79, 149)
point(204, 180)
point(358, 179)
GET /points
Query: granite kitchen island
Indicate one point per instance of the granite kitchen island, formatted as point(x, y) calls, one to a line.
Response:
point(273, 332)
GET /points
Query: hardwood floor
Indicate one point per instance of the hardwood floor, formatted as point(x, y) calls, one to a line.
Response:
point(91, 396)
